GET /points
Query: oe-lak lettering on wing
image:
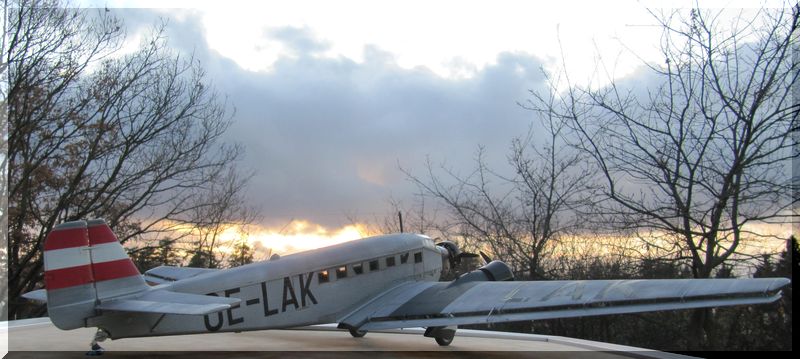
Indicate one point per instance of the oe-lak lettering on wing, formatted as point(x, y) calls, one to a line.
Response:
point(290, 300)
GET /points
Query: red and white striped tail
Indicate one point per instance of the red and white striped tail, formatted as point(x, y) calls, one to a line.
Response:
point(84, 262)
point(114, 272)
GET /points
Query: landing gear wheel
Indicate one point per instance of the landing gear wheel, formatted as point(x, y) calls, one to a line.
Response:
point(99, 336)
point(443, 335)
point(444, 341)
point(357, 333)
point(97, 350)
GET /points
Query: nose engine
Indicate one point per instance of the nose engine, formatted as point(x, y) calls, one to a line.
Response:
point(455, 262)
point(451, 254)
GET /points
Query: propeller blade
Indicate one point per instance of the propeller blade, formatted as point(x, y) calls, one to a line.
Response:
point(485, 257)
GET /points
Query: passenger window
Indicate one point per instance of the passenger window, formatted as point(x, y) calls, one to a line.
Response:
point(418, 257)
point(358, 268)
point(323, 276)
point(390, 261)
point(403, 258)
point(373, 265)
point(341, 272)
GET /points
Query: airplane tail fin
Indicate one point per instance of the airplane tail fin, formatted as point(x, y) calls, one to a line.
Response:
point(85, 263)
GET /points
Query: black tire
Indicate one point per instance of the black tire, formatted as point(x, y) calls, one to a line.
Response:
point(357, 333)
point(443, 341)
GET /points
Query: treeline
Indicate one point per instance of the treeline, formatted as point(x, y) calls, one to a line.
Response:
point(164, 252)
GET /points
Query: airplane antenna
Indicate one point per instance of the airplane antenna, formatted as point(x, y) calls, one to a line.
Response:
point(400, 215)
point(287, 225)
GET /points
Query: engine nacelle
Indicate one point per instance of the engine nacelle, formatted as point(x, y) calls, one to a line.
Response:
point(494, 271)
point(449, 251)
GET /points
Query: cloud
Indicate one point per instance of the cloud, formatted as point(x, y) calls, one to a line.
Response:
point(326, 134)
point(299, 41)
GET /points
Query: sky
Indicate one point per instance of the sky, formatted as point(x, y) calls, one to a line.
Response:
point(333, 98)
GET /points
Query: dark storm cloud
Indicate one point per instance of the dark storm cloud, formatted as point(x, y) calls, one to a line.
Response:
point(326, 134)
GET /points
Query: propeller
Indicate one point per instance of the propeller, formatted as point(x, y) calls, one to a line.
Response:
point(459, 260)
point(486, 258)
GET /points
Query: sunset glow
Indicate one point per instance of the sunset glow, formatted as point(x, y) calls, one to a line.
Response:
point(303, 235)
point(299, 235)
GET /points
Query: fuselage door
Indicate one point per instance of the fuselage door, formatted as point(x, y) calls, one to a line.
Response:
point(416, 257)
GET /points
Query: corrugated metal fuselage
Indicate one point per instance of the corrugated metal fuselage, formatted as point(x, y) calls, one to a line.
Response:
point(318, 286)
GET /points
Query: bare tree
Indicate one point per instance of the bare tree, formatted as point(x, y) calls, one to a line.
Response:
point(517, 219)
point(220, 207)
point(706, 152)
point(3, 175)
point(703, 154)
point(415, 216)
point(133, 138)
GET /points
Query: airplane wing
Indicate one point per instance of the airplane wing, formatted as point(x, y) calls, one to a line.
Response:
point(431, 304)
point(168, 274)
point(166, 302)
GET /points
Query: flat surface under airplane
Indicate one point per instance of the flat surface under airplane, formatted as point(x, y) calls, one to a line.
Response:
point(27, 336)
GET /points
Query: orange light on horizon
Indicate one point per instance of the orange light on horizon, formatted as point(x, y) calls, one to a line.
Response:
point(301, 235)
point(297, 236)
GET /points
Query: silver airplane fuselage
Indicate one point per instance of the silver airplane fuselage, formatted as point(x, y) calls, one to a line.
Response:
point(313, 287)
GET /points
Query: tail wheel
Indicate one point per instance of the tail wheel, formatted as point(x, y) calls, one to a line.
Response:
point(357, 333)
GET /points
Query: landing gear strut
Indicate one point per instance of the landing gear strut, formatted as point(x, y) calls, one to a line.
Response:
point(99, 336)
point(443, 335)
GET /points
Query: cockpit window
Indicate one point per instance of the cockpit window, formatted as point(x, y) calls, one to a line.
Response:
point(390, 261)
point(403, 258)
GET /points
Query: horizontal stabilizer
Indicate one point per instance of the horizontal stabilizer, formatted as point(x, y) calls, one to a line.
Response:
point(168, 274)
point(165, 302)
point(144, 306)
point(39, 295)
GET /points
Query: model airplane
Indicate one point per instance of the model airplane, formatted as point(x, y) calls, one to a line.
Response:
point(381, 282)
